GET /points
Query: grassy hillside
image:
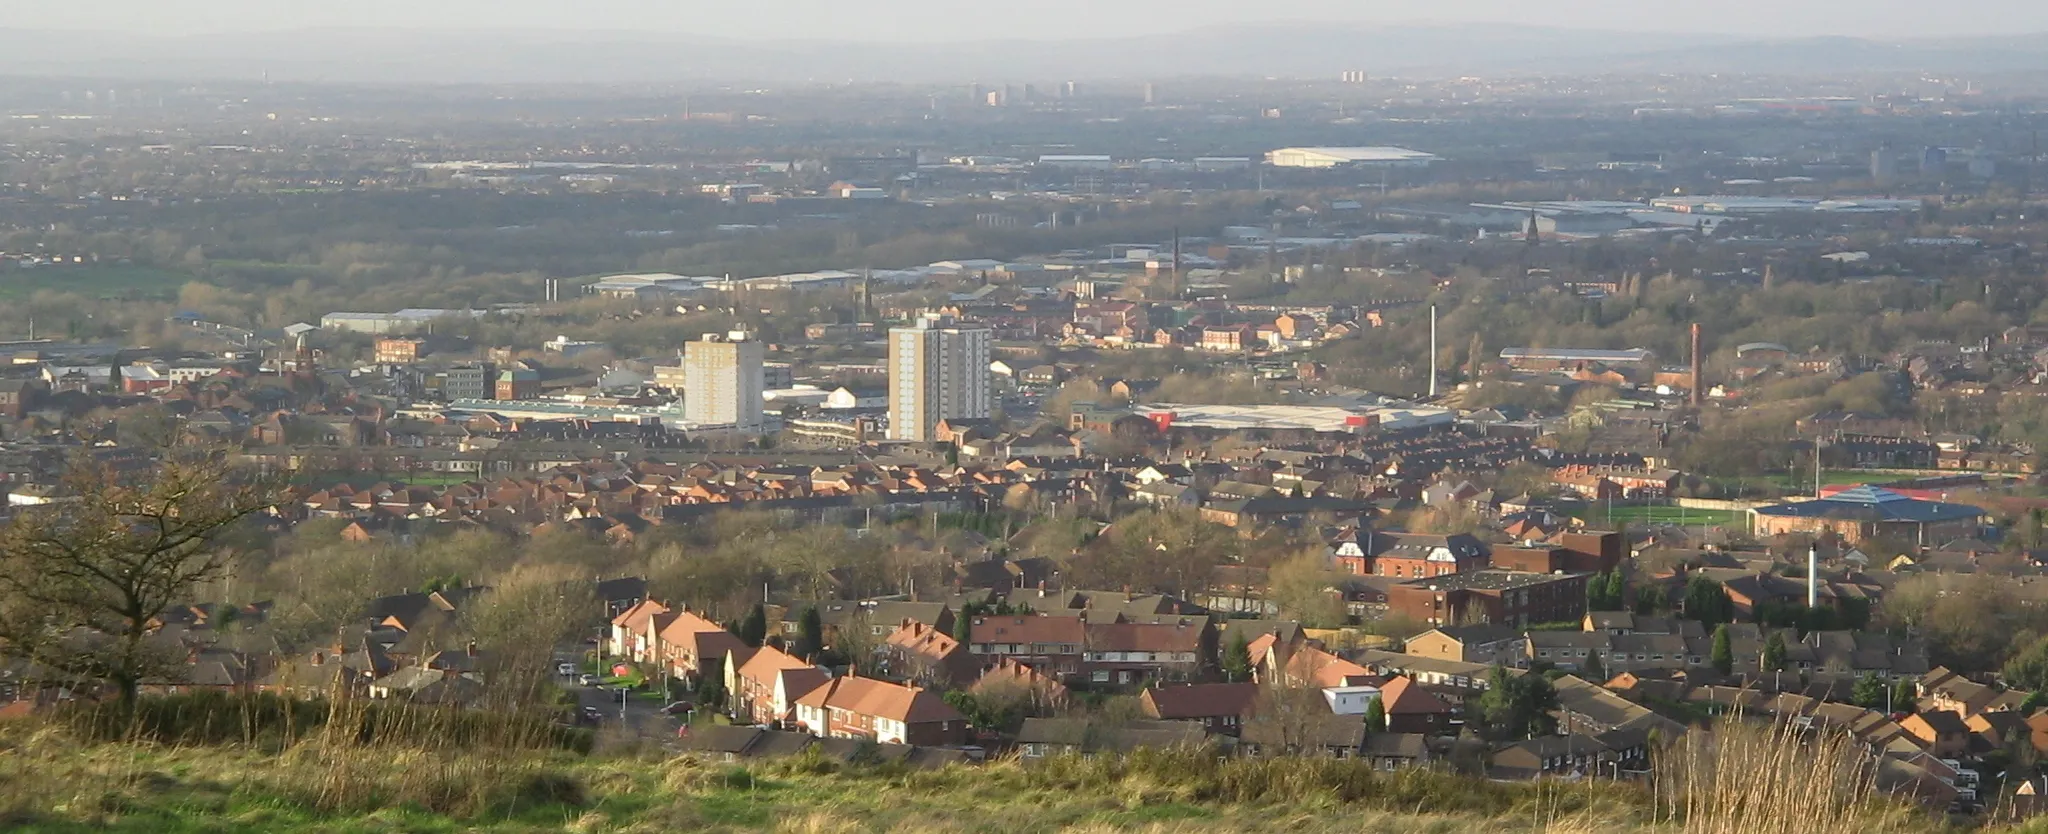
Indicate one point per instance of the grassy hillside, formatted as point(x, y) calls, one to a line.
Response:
point(146, 789)
point(268, 765)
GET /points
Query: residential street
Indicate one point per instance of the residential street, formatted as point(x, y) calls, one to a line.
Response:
point(642, 715)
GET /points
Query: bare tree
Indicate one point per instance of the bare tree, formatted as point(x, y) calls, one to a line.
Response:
point(1288, 719)
point(528, 612)
point(84, 580)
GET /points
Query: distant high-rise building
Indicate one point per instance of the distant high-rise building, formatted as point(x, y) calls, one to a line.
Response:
point(1354, 77)
point(1884, 165)
point(1072, 89)
point(722, 381)
point(1151, 94)
point(938, 370)
point(1933, 162)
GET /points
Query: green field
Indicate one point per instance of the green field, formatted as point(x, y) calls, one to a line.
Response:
point(94, 281)
point(1598, 515)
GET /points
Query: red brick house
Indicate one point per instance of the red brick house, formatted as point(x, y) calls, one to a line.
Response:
point(690, 644)
point(1410, 709)
point(635, 632)
point(857, 707)
point(1221, 708)
point(921, 654)
point(1051, 645)
point(1416, 555)
point(1130, 653)
point(763, 685)
point(1510, 598)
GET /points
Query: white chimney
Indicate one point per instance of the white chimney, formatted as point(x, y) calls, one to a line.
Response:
point(1813, 576)
point(1432, 351)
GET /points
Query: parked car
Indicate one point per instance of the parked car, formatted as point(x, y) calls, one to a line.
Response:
point(565, 669)
point(678, 708)
point(587, 679)
point(593, 714)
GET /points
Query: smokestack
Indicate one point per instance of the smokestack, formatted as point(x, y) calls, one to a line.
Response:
point(1432, 351)
point(1176, 264)
point(1813, 576)
point(1699, 394)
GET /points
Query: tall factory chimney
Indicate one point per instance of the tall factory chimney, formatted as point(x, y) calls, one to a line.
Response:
point(1432, 351)
point(1699, 393)
point(1813, 576)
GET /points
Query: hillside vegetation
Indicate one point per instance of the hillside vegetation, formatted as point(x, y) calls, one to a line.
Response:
point(398, 769)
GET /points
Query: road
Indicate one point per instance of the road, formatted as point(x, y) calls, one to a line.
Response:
point(641, 715)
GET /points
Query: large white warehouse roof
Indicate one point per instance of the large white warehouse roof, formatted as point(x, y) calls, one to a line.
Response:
point(1326, 157)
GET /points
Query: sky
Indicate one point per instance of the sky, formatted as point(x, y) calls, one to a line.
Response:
point(926, 20)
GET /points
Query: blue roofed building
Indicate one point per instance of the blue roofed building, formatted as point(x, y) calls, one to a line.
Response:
point(1868, 512)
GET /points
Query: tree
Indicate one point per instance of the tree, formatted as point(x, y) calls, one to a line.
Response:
point(1302, 587)
point(1724, 650)
point(83, 581)
point(1707, 602)
point(810, 634)
point(1237, 659)
point(1592, 670)
point(1514, 707)
point(1870, 692)
point(1774, 652)
point(754, 629)
point(963, 623)
point(1376, 717)
point(527, 613)
point(1903, 697)
point(1617, 590)
point(1596, 593)
point(2029, 669)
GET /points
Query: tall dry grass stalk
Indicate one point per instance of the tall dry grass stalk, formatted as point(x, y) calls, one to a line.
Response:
point(337, 754)
point(1739, 777)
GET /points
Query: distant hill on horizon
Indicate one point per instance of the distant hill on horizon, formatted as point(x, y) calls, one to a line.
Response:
point(386, 56)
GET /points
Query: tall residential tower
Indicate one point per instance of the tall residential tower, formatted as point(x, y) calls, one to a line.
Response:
point(722, 381)
point(938, 370)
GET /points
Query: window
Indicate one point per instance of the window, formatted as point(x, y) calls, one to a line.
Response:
point(1100, 677)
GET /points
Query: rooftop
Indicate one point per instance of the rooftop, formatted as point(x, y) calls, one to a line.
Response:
point(1869, 503)
point(1485, 580)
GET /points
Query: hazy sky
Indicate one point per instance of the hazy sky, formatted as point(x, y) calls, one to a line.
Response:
point(950, 19)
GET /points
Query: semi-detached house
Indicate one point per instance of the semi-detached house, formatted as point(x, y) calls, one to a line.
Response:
point(889, 713)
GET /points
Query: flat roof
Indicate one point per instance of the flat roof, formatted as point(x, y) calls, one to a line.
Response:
point(1298, 417)
point(1876, 504)
point(1575, 354)
point(1373, 153)
point(1486, 580)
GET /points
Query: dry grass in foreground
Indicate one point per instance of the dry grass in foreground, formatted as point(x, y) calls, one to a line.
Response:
point(357, 772)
